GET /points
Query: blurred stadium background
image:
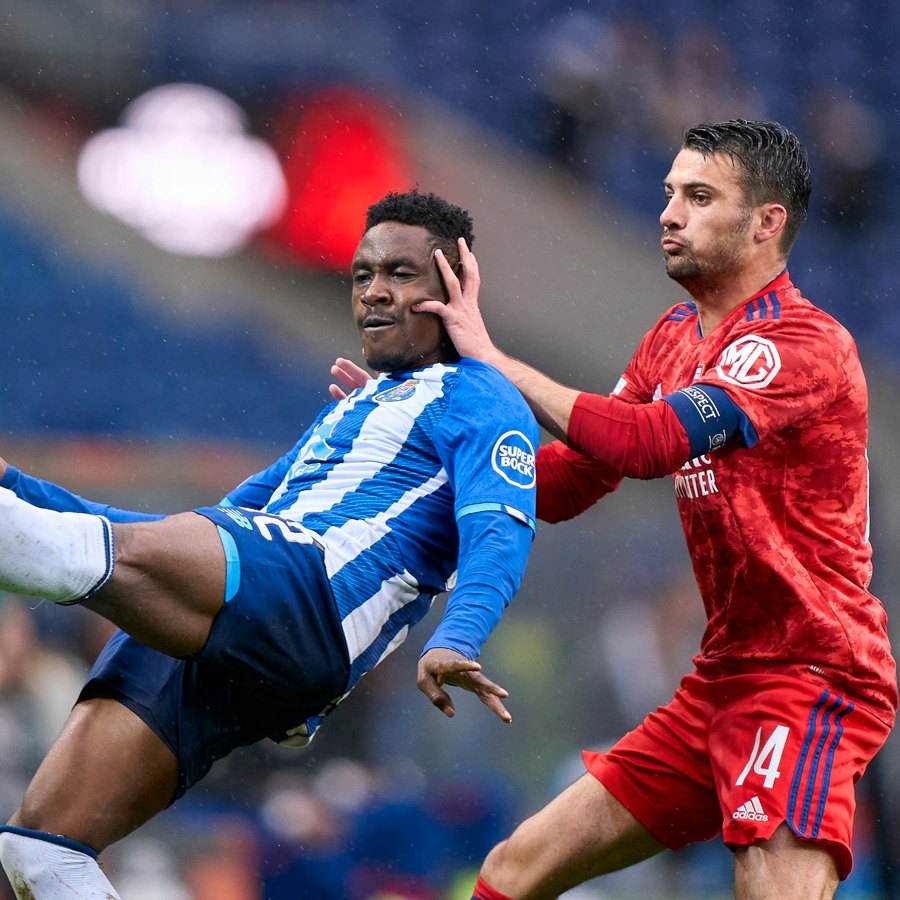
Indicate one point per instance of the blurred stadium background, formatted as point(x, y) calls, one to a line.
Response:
point(181, 184)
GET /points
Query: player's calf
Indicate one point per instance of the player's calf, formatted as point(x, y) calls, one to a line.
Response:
point(63, 557)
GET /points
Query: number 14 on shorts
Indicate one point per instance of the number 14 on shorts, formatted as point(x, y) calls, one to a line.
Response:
point(765, 761)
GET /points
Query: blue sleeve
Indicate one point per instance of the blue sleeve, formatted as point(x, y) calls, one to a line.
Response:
point(51, 496)
point(711, 418)
point(486, 441)
point(493, 553)
point(256, 491)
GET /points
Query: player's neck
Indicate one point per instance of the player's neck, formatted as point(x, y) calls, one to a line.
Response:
point(717, 298)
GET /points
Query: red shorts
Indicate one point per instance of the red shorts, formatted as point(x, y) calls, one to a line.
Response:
point(739, 756)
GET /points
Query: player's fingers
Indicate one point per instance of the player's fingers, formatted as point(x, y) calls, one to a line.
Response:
point(470, 265)
point(448, 276)
point(493, 703)
point(438, 697)
point(432, 306)
point(356, 373)
point(336, 392)
point(349, 374)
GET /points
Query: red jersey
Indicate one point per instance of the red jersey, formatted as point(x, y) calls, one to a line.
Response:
point(777, 532)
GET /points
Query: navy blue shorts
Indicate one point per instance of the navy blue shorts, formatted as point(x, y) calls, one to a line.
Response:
point(275, 656)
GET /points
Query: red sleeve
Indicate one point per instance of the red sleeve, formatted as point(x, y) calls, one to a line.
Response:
point(568, 483)
point(634, 440)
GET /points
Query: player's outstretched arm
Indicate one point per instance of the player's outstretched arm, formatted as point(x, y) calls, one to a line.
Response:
point(551, 402)
point(440, 666)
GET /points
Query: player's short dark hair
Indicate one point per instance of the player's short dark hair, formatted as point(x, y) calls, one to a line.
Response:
point(444, 220)
point(773, 162)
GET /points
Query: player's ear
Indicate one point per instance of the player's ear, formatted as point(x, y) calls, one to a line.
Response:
point(771, 221)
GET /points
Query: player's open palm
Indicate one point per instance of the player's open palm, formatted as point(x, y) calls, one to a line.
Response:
point(441, 666)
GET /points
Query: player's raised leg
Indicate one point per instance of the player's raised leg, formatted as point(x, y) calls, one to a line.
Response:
point(169, 582)
point(582, 833)
point(163, 581)
point(105, 775)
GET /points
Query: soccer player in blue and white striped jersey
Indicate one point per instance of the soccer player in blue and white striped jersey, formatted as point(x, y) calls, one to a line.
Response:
point(254, 618)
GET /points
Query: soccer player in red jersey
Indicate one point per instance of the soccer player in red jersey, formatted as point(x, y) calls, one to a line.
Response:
point(755, 402)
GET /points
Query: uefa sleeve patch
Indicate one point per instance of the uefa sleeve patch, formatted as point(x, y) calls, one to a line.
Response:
point(513, 459)
point(750, 362)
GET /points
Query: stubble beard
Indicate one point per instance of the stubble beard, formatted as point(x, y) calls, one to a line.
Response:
point(720, 263)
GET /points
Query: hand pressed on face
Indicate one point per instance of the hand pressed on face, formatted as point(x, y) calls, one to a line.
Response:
point(394, 269)
point(461, 314)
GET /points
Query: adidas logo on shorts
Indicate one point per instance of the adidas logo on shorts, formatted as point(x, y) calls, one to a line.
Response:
point(751, 810)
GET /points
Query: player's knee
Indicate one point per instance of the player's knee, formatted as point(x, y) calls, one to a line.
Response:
point(785, 867)
point(503, 865)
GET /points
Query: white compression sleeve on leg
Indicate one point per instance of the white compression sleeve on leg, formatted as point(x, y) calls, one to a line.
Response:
point(62, 556)
point(47, 867)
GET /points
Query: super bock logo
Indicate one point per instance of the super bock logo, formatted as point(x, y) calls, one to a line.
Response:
point(751, 362)
point(513, 459)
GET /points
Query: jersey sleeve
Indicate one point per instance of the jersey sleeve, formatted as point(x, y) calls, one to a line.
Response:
point(486, 441)
point(493, 550)
point(634, 440)
point(47, 495)
point(256, 491)
point(568, 482)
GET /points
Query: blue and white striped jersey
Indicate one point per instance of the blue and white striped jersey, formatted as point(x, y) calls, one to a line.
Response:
point(382, 478)
point(387, 479)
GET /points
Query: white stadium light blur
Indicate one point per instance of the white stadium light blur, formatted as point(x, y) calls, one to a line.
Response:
point(182, 170)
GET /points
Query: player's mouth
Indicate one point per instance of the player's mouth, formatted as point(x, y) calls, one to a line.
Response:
point(376, 323)
point(670, 245)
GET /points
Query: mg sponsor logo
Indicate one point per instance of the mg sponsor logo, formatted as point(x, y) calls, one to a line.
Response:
point(513, 459)
point(751, 362)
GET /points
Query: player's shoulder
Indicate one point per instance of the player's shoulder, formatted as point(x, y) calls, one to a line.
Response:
point(478, 377)
point(783, 310)
point(481, 393)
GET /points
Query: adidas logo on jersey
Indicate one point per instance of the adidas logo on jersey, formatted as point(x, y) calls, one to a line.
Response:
point(751, 810)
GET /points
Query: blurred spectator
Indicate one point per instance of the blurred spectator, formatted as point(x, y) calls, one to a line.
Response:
point(849, 141)
point(37, 688)
point(602, 80)
point(646, 645)
point(701, 83)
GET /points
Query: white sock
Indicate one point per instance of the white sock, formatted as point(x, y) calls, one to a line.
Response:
point(49, 867)
point(62, 556)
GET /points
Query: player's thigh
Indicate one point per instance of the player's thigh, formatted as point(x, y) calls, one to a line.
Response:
point(106, 774)
point(168, 583)
point(784, 868)
point(582, 833)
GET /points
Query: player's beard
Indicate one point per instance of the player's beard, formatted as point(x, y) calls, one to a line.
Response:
point(718, 261)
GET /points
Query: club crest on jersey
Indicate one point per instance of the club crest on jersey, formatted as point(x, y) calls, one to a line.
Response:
point(751, 362)
point(398, 392)
point(513, 459)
